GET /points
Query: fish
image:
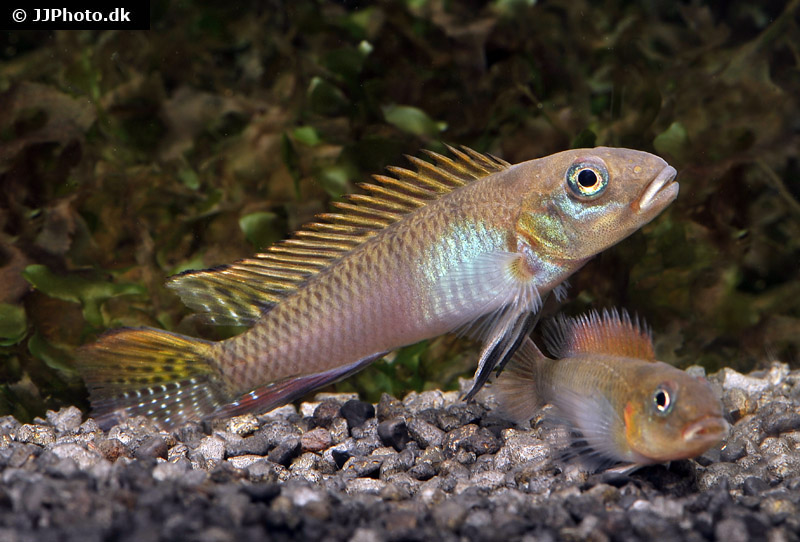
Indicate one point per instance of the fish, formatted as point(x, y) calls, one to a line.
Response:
point(465, 242)
point(627, 409)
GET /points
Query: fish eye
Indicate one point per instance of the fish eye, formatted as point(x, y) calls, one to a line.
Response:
point(587, 179)
point(662, 400)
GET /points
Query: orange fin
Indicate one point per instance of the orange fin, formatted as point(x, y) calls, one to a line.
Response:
point(613, 333)
point(239, 293)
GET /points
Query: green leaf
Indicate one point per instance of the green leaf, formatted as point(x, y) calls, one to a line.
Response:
point(347, 62)
point(412, 120)
point(13, 324)
point(189, 178)
point(306, 135)
point(51, 355)
point(89, 292)
point(325, 98)
point(260, 228)
point(334, 179)
point(672, 141)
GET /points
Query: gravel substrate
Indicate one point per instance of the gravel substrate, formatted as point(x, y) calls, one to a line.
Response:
point(428, 467)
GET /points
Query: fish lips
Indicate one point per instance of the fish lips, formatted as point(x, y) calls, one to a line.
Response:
point(705, 432)
point(660, 192)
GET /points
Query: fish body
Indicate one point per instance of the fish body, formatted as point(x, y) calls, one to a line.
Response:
point(464, 241)
point(629, 408)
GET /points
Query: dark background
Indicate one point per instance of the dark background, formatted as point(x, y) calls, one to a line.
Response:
point(128, 156)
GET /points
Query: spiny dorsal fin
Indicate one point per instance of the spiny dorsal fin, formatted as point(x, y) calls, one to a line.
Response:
point(239, 293)
point(614, 333)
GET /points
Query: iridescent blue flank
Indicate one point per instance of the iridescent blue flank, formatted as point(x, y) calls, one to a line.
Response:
point(456, 273)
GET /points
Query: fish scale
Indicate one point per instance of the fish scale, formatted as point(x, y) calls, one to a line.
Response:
point(467, 241)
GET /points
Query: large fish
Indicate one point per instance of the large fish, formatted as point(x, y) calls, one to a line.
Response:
point(467, 240)
point(606, 385)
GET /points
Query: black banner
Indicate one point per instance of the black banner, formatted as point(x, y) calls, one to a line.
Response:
point(72, 15)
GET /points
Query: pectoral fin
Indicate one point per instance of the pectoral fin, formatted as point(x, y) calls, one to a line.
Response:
point(503, 339)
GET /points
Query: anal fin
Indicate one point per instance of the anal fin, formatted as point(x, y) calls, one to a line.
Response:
point(279, 393)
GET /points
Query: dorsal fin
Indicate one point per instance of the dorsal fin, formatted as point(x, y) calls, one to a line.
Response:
point(239, 293)
point(614, 333)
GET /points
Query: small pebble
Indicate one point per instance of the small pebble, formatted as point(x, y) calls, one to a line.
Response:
point(243, 425)
point(284, 452)
point(394, 433)
point(357, 412)
point(341, 472)
point(389, 408)
point(326, 412)
point(316, 440)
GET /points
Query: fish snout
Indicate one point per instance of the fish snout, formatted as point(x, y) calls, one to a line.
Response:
point(706, 431)
point(660, 192)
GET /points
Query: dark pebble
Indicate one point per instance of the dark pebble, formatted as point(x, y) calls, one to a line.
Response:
point(783, 423)
point(422, 471)
point(284, 452)
point(389, 408)
point(325, 413)
point(364, 467)
point(754, 486)
point(713, 500)
point(256, 444)
point(454, 439)
point(22, 453)
point(262, 493)
point(394, 433)
point(152, 447)
point(650, 526)
point(482, 442)
point(340, 456)
point(731, 530)
point(357, 412)
point(425, 434)
point(225, 473)
point(190, 432)
point(732, 451)
point(458, 415)
point(398, 463)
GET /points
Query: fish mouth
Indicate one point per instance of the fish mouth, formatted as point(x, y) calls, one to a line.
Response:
point(708, 430)
point(661, 191)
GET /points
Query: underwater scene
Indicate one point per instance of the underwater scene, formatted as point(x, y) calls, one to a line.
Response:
point(127, 157)
point(401, 270)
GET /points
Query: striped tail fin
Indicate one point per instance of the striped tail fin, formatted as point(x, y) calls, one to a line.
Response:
point(167, 377)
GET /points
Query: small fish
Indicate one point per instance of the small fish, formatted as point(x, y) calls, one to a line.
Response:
point(607, 385)
point(464, 242)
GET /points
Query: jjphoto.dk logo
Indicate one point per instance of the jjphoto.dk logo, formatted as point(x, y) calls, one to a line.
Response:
point(49, 15)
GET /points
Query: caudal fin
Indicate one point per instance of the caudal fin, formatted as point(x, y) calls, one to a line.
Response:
point(165, 376)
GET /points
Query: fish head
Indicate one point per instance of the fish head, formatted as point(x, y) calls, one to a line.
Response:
point(577, 203)
point(672, 416)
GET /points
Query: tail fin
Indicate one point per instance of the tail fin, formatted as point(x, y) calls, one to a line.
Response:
point(516, 389)
point(164, 376)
